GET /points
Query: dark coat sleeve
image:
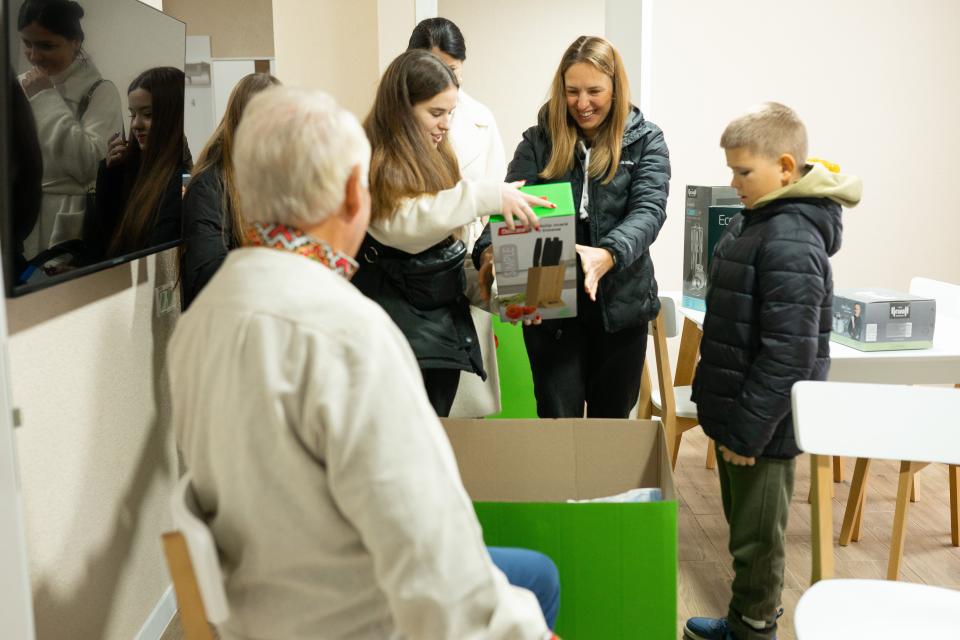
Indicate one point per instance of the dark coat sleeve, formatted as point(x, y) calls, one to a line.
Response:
point(646, 203)
point(205, 239)
point(792, 277)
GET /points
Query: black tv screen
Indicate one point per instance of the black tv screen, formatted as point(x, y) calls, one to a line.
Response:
point(94, 147)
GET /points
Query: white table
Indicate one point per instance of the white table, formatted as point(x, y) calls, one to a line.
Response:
point(937, 365)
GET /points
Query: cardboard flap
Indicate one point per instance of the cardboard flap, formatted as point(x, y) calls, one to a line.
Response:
point(556, 460)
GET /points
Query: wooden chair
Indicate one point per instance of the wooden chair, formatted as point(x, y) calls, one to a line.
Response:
point(872, 421)
point(875, 609)
point(948, 304)
point(194, 566)
point(671, 403)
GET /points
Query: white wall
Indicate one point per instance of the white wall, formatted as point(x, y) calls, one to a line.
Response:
point(513, 49)
point(878, 86)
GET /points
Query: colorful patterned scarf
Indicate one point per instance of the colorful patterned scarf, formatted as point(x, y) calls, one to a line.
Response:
point(279, 236)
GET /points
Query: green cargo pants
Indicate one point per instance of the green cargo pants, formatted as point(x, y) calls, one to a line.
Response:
point(756, 502)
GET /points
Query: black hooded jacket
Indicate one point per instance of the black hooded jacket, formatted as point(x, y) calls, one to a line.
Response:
point(768, 321)
point(625, 215)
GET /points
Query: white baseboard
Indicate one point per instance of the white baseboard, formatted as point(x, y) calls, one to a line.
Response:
point(159, 619)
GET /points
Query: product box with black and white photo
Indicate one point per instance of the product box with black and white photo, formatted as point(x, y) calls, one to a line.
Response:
point(537, 270)
point(876, 319)
point(708, 211)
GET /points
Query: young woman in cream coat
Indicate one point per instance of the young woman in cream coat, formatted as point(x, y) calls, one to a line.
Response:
point(479, 149)
point(76, 111)
point(412, 261)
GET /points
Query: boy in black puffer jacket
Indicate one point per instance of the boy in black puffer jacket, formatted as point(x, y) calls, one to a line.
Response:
point(767, 326)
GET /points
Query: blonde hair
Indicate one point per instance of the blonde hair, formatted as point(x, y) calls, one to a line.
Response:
point(605, 152)
point(404, 165)
point(769, 129)
point(295, 150)
point(218, 154)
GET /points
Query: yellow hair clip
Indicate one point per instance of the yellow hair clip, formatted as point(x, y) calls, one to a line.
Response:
point(831, 166)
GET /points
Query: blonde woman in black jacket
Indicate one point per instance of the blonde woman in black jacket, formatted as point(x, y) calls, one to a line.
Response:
point(212, 225)
point(589, 134)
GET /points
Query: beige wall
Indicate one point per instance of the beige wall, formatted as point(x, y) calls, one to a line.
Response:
point(97, 461)
point(237, 28)
point(96, 456)
point(879, 89)
point(513, 49)
point(330, 45)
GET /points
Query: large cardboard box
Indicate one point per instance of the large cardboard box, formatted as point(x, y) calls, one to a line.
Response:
point(537, 270)
point(617, 562)
point(708, 211)
point(877, 319)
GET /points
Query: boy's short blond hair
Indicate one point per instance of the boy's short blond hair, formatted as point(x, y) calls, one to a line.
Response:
point(770, 129)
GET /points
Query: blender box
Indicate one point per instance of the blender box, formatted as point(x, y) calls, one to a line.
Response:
point(536, 271)
point(876, 319)
point(708, 212)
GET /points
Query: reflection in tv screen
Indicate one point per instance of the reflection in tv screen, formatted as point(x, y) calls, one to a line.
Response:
point(97, 153)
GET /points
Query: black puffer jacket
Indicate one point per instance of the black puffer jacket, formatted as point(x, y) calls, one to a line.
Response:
point(625, 215)
point(767, 324)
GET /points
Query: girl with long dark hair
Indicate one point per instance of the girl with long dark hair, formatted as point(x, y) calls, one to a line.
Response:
point(139, 182)
point(412, 261)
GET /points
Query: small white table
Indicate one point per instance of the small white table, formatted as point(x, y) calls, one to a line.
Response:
point(937, 365)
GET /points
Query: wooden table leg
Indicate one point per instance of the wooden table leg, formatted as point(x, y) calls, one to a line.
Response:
point(854, 509)
point(837, 469)
point(858, 522)
point(954, 471)
point(687, 357)
point(711, 462)
point(821, 518)
point(645, 404)
point(907, 470)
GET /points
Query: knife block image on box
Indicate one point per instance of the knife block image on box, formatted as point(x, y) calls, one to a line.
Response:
point(536, 267)
point(545, 286)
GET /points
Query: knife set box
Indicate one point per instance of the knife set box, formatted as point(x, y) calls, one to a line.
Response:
point(536, 270)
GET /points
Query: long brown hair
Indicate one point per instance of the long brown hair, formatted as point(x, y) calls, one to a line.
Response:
point(217, 155)
point(403, 164)
point(605, 151)
point(148, 173)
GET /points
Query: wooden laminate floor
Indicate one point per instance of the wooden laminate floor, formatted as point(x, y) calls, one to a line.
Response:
point(705, 569)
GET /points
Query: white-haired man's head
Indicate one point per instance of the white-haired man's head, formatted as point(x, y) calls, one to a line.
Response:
point(300, 159)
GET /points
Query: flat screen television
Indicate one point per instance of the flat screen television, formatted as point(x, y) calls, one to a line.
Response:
point(94, 155)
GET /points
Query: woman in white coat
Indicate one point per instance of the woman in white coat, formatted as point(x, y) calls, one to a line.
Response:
point(479, 150)
point(76, 111)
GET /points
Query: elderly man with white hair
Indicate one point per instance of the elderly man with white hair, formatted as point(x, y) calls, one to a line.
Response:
point(324, 474)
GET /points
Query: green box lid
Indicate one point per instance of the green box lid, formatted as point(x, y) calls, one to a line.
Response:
point(559, 193)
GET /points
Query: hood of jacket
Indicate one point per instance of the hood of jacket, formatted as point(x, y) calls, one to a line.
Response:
point(819, 182)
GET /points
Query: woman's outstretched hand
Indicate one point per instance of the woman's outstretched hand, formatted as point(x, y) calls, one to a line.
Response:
point(596, 263)
point(517, 206)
